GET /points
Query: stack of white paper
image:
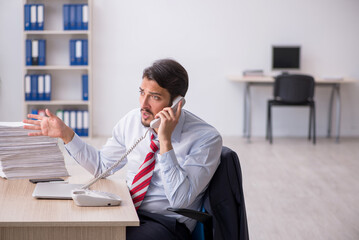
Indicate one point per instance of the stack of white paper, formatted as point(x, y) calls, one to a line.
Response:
point(22, 156)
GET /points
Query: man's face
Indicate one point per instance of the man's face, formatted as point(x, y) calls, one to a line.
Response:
point(153, 99)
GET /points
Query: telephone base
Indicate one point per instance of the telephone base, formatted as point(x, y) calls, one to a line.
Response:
point(91, 198)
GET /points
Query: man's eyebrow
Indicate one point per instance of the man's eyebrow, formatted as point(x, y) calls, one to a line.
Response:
point(155, 93)
point(152, 93)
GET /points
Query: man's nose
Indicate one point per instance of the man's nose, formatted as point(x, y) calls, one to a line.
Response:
point(145, 102)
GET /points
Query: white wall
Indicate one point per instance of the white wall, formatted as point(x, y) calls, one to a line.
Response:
point(212, 39)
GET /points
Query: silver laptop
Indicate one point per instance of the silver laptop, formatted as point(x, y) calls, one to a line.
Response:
point(55, 190)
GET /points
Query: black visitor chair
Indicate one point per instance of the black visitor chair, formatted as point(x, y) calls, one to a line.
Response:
point(293, 90)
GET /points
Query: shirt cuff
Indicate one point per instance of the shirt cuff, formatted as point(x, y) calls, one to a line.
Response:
point(167, 160)
point(75, 145)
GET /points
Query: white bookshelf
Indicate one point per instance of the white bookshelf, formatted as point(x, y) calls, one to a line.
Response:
point(66, 89)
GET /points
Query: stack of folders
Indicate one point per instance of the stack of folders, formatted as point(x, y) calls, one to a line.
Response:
point(76, 16)
point(79, 52)
point(23, 156)
point(76, 119)
point(35, 52)
point(37, 87)
point(34, 16)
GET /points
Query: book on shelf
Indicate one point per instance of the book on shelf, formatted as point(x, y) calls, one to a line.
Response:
point(85, 87)
point(23, 156)
point(40, 87)
point(27, 17)
point(42, 52)
point(40, 17)
point(27, 87)
point(85, 123)
point(34, 87)
point(85, 59)
point(28, 52)
point(79, 123)
point(78, 52)
point(47, 87)
point(66, 118)
point(60, 114)
point(41, 112)
point(73, 120)
point(34, 52)
point(33, 18)
point(85, 17)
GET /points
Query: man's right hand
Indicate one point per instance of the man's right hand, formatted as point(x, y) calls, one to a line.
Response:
point(49, 125)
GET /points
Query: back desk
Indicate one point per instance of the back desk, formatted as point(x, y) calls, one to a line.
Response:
point(250, 81)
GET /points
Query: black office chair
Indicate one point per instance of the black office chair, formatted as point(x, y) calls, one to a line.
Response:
point(293, 90)
point(224, 215)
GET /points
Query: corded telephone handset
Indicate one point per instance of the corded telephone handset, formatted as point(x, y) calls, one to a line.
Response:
point(156, 123)
point(85, 197)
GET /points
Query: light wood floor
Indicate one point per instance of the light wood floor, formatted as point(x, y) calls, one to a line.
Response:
point(294, 190)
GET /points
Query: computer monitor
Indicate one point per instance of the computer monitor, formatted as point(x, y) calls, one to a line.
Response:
point(285, 58)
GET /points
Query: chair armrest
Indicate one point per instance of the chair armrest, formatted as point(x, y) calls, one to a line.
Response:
point(202, 217)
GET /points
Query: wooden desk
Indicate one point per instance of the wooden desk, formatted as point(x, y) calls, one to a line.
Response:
point(269, 81)
point(24, 217)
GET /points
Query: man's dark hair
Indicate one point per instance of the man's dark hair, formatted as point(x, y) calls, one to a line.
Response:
point(170, 75)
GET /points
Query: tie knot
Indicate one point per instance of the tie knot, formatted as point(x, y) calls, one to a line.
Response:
point(154, 144)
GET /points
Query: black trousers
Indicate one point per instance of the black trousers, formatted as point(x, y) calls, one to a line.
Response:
point(155, 226)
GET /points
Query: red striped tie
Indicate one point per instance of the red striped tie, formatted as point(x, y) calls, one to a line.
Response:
point(143, 178)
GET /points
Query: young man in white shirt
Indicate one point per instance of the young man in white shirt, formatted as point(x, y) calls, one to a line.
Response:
point(188, 154)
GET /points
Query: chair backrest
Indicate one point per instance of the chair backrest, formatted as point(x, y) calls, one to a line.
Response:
point(225, 199)
point(294, 88)
point(223, 213)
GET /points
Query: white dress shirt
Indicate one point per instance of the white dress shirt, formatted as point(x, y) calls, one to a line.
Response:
point(180, 176)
